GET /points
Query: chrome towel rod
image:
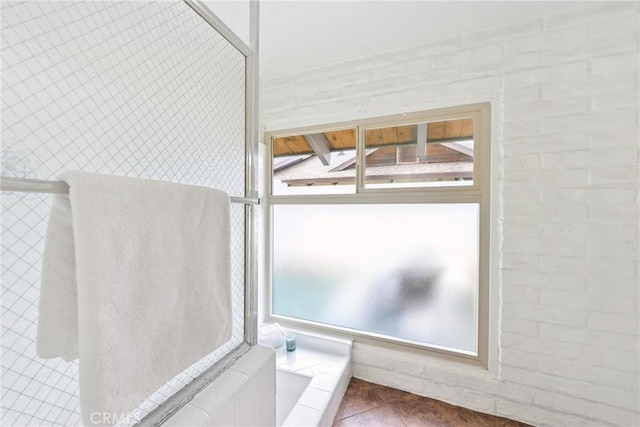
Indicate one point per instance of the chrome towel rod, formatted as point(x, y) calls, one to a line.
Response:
point(26, 185)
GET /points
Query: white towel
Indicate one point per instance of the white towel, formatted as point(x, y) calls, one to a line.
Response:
point(136, 283)
point(271, 335)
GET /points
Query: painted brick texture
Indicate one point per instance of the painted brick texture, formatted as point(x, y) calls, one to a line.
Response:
point(565, 93)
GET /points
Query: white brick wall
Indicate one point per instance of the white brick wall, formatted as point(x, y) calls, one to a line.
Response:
point(564, 93)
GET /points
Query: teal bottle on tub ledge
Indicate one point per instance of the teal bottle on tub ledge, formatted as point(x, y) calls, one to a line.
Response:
point(291, 342)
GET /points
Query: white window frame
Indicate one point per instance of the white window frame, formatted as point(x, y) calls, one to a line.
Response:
point(477, 192)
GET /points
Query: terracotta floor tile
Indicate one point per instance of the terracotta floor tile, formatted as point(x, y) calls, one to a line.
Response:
point(384, 415)
point(362, 395)
point(368, 404)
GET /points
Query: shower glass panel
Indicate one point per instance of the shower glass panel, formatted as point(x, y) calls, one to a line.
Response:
point(401, 271)
point(141, 89)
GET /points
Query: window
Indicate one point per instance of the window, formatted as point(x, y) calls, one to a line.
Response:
point(315, 163)
point(419, 155)
point(380, 229)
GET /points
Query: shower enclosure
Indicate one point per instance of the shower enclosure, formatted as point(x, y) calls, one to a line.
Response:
point(160, 90)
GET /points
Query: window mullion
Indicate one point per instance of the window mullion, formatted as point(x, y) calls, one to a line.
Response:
point(378, 197)
point(360, 163)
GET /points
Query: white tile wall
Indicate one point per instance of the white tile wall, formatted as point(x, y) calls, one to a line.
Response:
point(564, 93)
point(244, 395)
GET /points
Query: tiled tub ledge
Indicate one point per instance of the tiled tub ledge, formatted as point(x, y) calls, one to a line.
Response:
point(325, 362)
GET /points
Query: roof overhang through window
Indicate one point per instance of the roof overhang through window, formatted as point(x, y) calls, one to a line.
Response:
point(322, 144)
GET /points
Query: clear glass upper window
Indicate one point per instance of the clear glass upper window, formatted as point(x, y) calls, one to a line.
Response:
point(315, 163)
point(433, 154)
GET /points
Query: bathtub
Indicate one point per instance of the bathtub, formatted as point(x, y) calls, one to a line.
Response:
point(289, 389)
point(311, 381)
point(304, 389)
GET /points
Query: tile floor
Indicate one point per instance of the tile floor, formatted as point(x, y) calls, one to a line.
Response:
point(368, 404)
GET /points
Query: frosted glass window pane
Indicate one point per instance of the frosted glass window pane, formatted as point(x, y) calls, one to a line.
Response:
point(408, 271)
point(431, 154)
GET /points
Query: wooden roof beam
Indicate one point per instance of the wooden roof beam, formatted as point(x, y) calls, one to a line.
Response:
point(321, 146)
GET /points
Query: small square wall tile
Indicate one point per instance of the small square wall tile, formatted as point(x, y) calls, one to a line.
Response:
point(302, 416)
point(325, 382)
point(315, 398)
point(333, 368)
point(307, 372)
point(224, 417)
point(188, 416)
point(305, 363)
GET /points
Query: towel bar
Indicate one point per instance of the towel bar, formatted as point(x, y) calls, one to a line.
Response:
point(60, 187)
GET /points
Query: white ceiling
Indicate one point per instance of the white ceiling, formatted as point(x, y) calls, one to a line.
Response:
point(301, 35)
